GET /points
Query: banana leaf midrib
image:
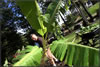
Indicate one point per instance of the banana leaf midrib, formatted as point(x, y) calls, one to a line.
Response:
point(34, 50)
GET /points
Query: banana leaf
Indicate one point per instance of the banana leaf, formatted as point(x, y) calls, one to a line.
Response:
point(70, 53)
point(32, 58)
point(57, 47)
point(51, 14)
point(22, 53)
point(76, 54)
point(32, 12)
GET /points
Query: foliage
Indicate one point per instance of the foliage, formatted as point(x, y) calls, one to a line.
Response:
point(51, 13)
point(88, 29)
point(94, 8)
point(10, 39)
point(70, 53)
point(6, 63)
point(38, 22)
point(21, 53)
point(11, 21)
point(61, 45)
point(58, 32)
point(32, 14)
point(32, 58)
point(46, 23)
point(75, 54)
point(41, 23)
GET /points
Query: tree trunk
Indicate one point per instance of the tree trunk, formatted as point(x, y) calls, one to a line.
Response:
point(85, 21)
point(91, 18)
point(65, 23)
point(94, 1)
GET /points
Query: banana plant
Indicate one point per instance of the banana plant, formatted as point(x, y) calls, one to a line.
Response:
point(71, 53)
point(45, 23)
point(41, 23)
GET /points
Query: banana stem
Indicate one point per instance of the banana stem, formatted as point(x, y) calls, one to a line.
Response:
point(44, 51)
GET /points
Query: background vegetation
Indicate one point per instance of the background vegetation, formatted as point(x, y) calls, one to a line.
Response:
point(75, 42)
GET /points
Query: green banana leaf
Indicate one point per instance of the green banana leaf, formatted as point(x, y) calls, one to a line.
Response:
point(51, 14)
point(75, 54)
point(31, 10)
point(56, 48)
point(70, 53)
point(22, 53)
point(32, 58)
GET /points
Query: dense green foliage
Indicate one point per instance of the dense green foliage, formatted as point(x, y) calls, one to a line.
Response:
point(65, 49)
point(70, 53)
point(89, 28)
